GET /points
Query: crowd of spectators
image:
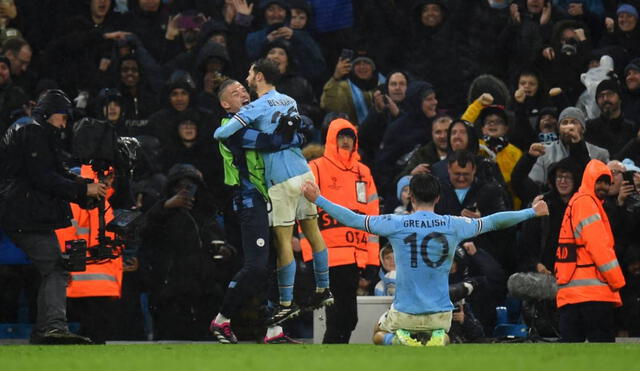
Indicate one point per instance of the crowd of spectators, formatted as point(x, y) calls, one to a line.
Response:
point(501, 100)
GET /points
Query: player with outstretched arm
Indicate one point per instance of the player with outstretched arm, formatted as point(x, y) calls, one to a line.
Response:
point(423, 246)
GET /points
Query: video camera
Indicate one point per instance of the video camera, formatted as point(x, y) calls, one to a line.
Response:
point(96, 143)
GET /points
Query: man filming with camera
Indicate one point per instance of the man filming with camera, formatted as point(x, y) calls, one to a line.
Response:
point(35, 190)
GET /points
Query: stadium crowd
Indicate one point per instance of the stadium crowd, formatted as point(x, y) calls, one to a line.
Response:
point(501, 100)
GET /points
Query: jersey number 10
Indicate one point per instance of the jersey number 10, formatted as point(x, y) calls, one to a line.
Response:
point(412, 241)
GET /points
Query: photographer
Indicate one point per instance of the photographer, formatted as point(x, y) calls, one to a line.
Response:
point(564, 59)
point(34, 192)
point(178, 257)
point(484, 279)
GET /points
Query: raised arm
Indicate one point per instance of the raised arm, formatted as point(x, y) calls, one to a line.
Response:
point(501, 220)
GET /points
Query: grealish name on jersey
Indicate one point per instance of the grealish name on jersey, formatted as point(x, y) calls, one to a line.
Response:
point(424, 223)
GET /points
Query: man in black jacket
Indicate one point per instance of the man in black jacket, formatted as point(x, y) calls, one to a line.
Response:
point(465, 194)
point(34, 194)
point(611, 130)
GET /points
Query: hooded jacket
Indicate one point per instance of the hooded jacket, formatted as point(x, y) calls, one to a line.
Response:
point(586, 267)
point(430, 52)
point(35, 187)
point(539, 236)
point(343, 179)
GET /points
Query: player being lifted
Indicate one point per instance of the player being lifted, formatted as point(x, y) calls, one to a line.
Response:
point(423, 246)
point(285, 172)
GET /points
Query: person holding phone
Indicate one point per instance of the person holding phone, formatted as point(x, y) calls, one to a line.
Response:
point(176, 257)
point(351, 88)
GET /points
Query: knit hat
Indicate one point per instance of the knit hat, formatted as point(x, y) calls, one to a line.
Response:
point(629, 9)
point(608, 85)
point(403, 182)
point(633, 65)
point(574, 113)
point(364, 59)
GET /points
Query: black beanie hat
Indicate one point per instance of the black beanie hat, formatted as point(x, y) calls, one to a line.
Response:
point(608, 85)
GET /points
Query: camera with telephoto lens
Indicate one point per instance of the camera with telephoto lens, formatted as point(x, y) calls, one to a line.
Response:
point(74, 259)
point(96, 143)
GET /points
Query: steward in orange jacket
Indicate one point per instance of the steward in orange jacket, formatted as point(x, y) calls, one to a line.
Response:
point(587, 271)
point(102, 278)
point(343, 179)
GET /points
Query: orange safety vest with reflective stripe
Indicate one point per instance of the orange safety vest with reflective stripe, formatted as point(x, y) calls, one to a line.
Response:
point(343, 179)
point(103, 278)
point(586, 267)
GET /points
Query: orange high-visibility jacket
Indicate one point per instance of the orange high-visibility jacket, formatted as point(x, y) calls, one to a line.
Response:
point(102, 278)
point(343, 179)
point(586, 267)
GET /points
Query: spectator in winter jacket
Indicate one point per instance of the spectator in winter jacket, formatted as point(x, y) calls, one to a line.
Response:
point(404, 135)
point(11, 96)
point(176, 253)
point(612, 129)
point(631, 91)
point(179, 97)
point(292, 83)
point(625, 31)
point(388, 104)
point(139, 100)
point(495, 145)
point(571, 143)
point(350, 89)
point(277, 25)
point(434, 39)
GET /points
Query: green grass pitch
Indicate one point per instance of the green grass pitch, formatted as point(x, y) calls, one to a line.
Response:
point(178, 357)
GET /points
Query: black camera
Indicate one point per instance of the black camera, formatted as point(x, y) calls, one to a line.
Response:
point(74, 259)
point(96, 143)
point(569, 47)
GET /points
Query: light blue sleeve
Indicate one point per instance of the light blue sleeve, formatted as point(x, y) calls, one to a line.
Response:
point(468, 228)
point(382, 225)
point(227, 130)
point(244, 118)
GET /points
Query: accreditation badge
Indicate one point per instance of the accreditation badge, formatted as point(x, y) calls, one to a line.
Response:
point(361, 192)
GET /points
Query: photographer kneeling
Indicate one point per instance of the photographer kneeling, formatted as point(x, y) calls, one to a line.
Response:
point(35, 190)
